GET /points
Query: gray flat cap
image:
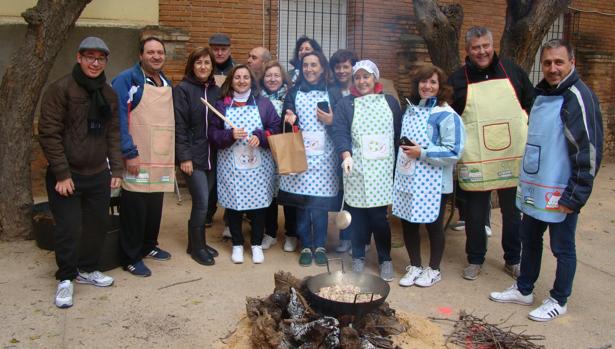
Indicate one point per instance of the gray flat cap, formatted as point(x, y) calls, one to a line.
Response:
point(220, 39)
point(93, 43)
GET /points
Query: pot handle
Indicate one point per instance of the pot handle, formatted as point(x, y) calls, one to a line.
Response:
point(360, 293)
point(334, 259)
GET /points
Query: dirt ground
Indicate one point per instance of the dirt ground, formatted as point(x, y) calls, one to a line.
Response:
point(185, 305)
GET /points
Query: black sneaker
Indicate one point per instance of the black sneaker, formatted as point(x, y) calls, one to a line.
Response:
point(209, 222)
point(159, 254)
point(138, 269)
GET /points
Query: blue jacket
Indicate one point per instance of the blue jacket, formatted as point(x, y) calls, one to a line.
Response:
point(129, 88)
point(447, 138)
point(580, 114)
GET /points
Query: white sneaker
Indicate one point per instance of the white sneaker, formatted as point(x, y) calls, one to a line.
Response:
point(64, 294)
point(226, 233)
point(459, 226)
point(268, 241)
point(512, 295)
point(428, 277)
point(257, 254)
point(95, 278)
point(290, 245)
point(549, 310)
point(411, 275)
point(237, 255)
point(344, 246)
point(488, 231)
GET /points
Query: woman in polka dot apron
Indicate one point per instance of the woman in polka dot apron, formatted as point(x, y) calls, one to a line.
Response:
point(365, 129)
point(308, 105)
point(433, 143)
point(245, 165)
point(274, 85)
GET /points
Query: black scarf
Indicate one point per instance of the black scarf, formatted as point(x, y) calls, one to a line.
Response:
point(99, 107)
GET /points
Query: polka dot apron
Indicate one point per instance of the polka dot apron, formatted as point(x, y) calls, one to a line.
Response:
point(370, 183)
point(418, 185)
point(245, 174)
point(321, 178)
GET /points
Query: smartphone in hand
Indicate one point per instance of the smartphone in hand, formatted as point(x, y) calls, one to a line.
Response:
point(324, 106)
point(406, 141)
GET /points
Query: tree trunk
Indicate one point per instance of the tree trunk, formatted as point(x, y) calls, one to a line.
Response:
point(440, 26)
point(527, 23)
point(48, 25)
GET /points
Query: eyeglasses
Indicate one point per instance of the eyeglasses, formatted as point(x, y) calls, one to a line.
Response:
point(91, 59)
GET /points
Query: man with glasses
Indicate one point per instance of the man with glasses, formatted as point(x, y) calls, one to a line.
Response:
point(79, 134)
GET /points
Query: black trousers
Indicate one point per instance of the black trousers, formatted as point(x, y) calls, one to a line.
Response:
point(82, 220)
point(140, 215)
point(412, 238)
point(257, 218)
point(271, 220)
point(477, 208)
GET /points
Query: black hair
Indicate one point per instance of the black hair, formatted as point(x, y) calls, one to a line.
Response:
point(148, 39)
point(296, 62)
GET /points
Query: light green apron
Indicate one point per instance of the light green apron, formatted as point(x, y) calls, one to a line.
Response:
point(370, 183)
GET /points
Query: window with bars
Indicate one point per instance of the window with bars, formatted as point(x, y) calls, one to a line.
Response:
point(555, 32)
point(322, 20)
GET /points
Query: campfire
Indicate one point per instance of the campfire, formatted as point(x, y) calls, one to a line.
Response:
point(296, 316)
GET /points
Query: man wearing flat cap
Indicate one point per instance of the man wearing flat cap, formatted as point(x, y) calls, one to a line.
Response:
point(79, 134)
point(220, 45)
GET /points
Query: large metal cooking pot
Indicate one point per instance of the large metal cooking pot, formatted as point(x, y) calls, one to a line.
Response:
point(368, 284)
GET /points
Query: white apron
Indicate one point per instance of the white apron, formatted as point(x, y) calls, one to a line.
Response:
point(370, 183)
point(321, 178)
point(418, 184)
point(245, 174)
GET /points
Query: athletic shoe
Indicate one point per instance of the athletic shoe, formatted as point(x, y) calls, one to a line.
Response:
point(95, 278)
point(305, 258)
point(512, 295)
point(226, 233)
point(471, 271)
point(386, 271)
point(458, 226)
point(488, 231)
point(268, 241)
point(513, 270)
point(237, 255)
point(159, 254)
point(320, 256)
point(428, 277)
point(549, 310)
point(358, 265)
point(209, 222)
point(64, 294)
point(257, 254)
point(344, 246)
point(138, 269)
point(290, 245)
point(412, 273)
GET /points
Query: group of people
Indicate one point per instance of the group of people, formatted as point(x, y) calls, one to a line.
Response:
point(467, 134)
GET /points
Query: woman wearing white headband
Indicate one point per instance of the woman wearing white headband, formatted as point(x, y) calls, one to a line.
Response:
point(366, 128)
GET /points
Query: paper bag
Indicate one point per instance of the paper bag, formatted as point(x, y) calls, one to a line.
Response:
point(288, 152)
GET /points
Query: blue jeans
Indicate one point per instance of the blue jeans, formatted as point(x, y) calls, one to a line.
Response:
point(199, 185)
point(562, 238)
point(312, 227)
point(364, 222)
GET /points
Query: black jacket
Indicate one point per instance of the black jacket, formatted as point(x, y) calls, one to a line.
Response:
point(520, 81)
point(191, 142)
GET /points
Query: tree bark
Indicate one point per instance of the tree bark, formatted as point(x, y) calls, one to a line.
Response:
point(440, 26)
point(48, 25)
point(527, 23)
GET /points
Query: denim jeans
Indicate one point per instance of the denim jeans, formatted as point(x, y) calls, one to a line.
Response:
point(312, 227)
point(562, 239)
point(364, 222)
point(476, 211)
point(199, 184)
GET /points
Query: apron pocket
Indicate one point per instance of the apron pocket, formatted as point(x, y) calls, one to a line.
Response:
point(496, 137)
point(163, 141)
point(314, 142)
point(375, 147)
point(531, 159)
point(246, 157)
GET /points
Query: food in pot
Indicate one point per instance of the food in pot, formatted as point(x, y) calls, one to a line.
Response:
point(346, 294)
